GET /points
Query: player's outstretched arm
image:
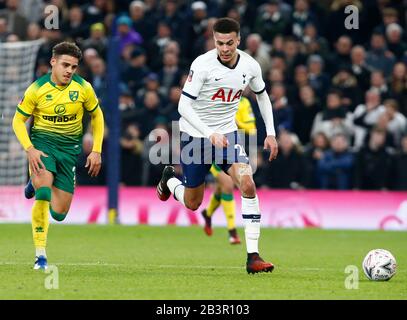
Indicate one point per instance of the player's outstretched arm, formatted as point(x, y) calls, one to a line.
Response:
point(94, 160)
point(267, 114)
point(33, 155)
point(21, 131)
point(187, 112)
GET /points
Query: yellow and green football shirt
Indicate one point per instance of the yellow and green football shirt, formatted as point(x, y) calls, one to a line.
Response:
point(58, 110)
point(245, 118)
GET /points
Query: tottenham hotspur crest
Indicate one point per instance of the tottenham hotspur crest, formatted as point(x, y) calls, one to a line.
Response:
point(73, 95)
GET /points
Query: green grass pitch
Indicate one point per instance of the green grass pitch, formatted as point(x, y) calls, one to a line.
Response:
point(153, 263)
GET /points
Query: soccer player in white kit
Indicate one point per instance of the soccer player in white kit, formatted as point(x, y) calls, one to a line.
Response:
point(207, 106)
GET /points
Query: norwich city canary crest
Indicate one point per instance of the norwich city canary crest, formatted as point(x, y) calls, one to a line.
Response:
point(73, 95)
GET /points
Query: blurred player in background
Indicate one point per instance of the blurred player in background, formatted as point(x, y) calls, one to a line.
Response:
point(208, 106)
point(57, 102)
point(223, 194)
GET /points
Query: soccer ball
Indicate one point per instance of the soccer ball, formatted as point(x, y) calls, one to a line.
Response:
point(379, 265)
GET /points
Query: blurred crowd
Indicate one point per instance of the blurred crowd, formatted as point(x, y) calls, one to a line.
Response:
point(339, 95)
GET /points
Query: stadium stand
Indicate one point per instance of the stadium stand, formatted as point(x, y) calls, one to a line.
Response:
point(339, 96)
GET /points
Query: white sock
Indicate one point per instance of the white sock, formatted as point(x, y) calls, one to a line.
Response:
point(177, 189)
point(251, 218)
point(40, 252)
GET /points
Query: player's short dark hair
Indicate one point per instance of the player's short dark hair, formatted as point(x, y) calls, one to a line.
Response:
point(226, 25)
point(68, 48)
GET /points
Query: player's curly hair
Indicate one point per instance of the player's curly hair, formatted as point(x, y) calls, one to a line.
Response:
point(68, 48)
point(226, 25)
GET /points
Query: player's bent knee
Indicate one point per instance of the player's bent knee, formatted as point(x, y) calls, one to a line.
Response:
point(44, 178)
point(43, 193)
point(57, 216)
point(248, 188)
point(193, 204)
point(227, 189)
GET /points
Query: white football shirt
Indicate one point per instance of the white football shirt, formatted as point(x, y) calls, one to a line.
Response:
point(216, 90)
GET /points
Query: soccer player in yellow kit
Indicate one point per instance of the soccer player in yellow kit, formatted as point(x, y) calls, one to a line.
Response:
point(223, 194)
point(56, 101)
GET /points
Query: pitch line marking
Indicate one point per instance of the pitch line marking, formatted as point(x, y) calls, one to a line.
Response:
point(104, 264)
point(169, 266)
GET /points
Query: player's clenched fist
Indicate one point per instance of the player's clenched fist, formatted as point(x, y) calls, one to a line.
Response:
point(218, 140)
point(94, 162)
